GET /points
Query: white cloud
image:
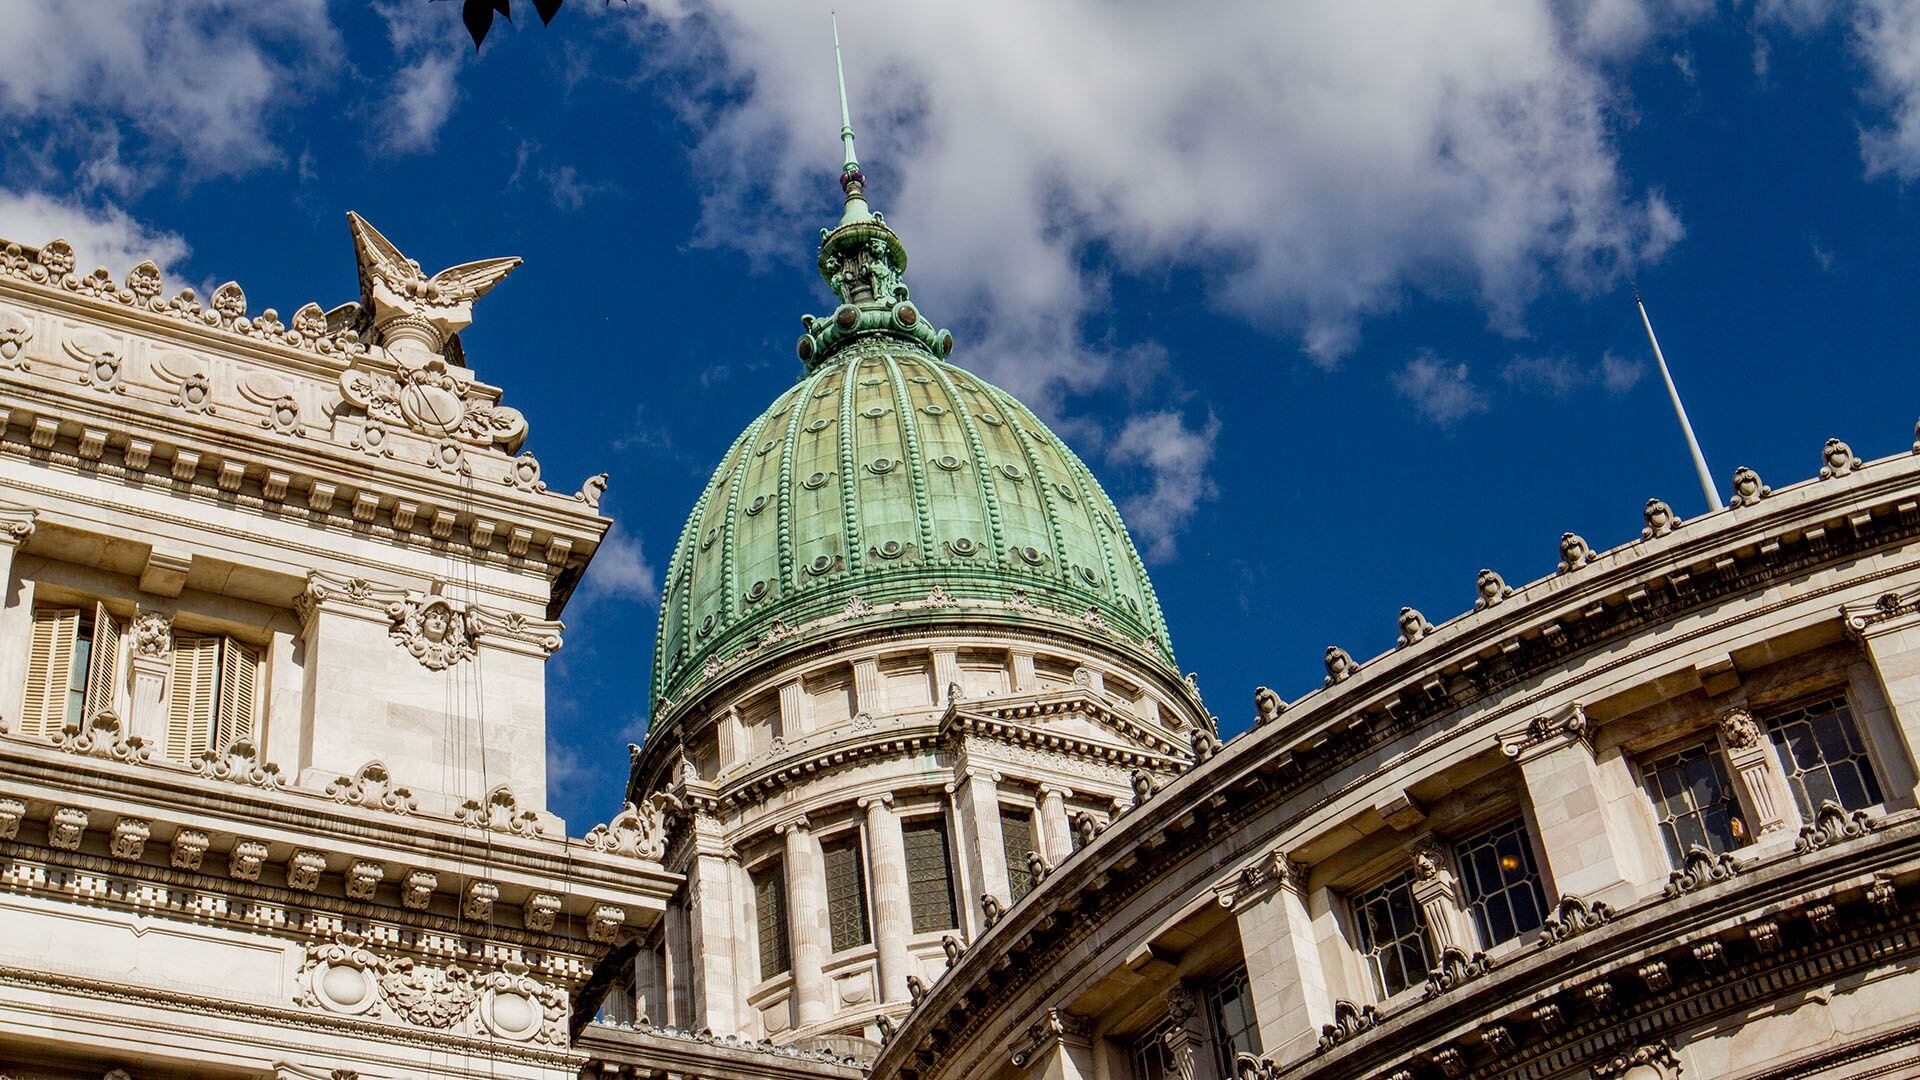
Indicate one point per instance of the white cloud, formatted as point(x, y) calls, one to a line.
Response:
point(423, 92)
point(1175, 456)
point(196, 82)
point(620, 570)
point(1887, 35)
point(1561, 376)
point(1313, 167)
point(1440, 391)
point(101, 235)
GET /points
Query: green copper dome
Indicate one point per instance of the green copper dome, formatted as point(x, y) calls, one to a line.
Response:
point(884, 474)
point(891, 488)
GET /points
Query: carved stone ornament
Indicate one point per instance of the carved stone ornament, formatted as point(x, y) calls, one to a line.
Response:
point(1249, 1067)
point(1340, 666)
point(188, 848)
point(128, 840)
point(1054, 1027)
point(12, 813)
point(477, 906)
point(641, 831)
point(1572, 917)
point(425, 994)
point(1831, 825)
point(1413, 626)
point(1738, 729)
point(432, 631)
point(500, 812)
point(363, 878)
point(246, 859)
point(416, 890)
point(240, 765)
point(1348, 1020)
point(1204, 742)
point(953, 947)
point(304, 869)
point(1143, 786)
point(515, 1005)
point(1490, 589)
point(1657, 1056)
point(1267, 706)
point(591, 491)
point(1428, 858)
point(66, 828)
point(1747, 487)
point(1086, 826)
point(540, 911)
point(1568, 723)
point(152, 635)
point(372, 786)
point(604, 922)
point(1455, 968)
point(1574, 552)
point(1836, 459)
point(416, 316)
point(1701, 868)
point(991, 909)
point(1660, 520)
point(101, 736)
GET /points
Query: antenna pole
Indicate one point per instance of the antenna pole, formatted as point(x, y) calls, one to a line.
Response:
point(1707, 487)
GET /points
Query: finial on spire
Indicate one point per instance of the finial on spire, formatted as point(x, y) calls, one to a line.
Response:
point(851, 179)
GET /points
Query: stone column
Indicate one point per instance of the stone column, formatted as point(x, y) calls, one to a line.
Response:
point(646, 985)
point(1437, 892)
point(978, 800)
point(1590, 847)
point(866, 688)
point(710, 924)
point(1190, 1040)
point(16, 610)
point(679, 991)
point(946, 674)
point(892, 910)
point(151, 648)
point(795, 718)
point(806, 922)
point(1771, 816)
point(1059, 1046)
point(1024, 678)
point(1290, 996)
point(1888, 630)
point(1056, 835)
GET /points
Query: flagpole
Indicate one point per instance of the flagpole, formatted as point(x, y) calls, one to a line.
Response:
point(1707, 487)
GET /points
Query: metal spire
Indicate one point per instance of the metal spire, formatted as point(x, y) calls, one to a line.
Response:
point(1707, 487)
point(851, 180)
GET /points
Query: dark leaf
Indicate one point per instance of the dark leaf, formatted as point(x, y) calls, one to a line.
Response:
point(547, 9)
point(478, 15)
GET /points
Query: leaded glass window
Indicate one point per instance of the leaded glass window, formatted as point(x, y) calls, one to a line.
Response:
point(770, 917)
point(1694, 802)
point(929, 874)
point(1149, 1054)
point(1824, 757)
point(846, 892)
point(1235, 1030)
point(1016, 834)
point(1501, 883)
point(1393, 935)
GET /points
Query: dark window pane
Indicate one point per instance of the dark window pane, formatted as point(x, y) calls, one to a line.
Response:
point(846, 893)
point(1392, 934)
point(1824, 756)
point(770, 917)
point(1016, 834)
point(929, 874)
point(1693, 801)
point(1503, 890)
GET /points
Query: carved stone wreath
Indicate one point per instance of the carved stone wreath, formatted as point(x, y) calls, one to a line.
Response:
point(344, 975)
point(432, 630)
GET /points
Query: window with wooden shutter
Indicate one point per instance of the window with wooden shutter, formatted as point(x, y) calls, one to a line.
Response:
point(193, 696)
point(49, 670)
point(102, 689)
point(239, 688)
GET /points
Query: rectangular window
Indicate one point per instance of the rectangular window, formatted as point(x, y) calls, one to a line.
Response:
point(1149, 1055)
point(1235, 1030)
point(1824, 757)
point(770, 917)
point(1694, 802)
point(73, 668)
point(213, 698)
point(1016, 835)
point(1393, 935)
point(1501, 883)
point(846, 892)
point(929, 874)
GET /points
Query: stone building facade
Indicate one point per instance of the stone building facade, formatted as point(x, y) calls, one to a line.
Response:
point(925, 794)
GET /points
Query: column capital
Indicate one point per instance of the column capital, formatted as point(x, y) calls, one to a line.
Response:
point(799, 824)
point(1259, 879)
point(869, 802)
point(1547, 733)
point(16, 524)
point(1060, 790)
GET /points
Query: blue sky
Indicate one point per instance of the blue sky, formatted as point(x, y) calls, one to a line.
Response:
point(1336, 303)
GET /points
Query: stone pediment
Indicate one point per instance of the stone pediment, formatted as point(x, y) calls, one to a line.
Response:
point(1075, 720)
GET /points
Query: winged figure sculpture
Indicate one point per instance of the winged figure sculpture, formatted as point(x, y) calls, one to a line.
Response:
point(407, 309)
